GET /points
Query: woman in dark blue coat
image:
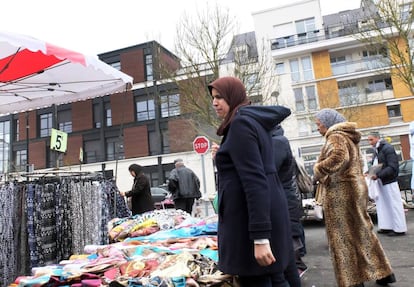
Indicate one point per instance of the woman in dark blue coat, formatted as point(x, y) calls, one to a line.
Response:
point(254, 236)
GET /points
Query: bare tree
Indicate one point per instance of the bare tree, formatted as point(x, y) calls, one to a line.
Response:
point(208, 46)
point(388, 26)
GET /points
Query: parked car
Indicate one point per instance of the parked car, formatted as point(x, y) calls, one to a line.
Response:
point(162, 198)
point(404, 174)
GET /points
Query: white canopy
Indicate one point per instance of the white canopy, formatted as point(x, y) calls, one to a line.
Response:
point(36, 74)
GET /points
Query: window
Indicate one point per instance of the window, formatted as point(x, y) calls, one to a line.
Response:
point(405, 11)
point(307, 68)
point(301, 71)
point(307, 100)
point(299, 101)
point(92, 151)
point(148, 67)
point(252, 82)
point(145, 110)
point(114, 149)
point(108, 115)
point(280, 68)
point(45, 124)
point(16, 130)
point(241, 54)
point(165, 141)
point(303, 125)
point(170, 105)
point(65, 121)
point(348, 94)
point(154, 142)
point(338, 65)
point(283, 42)
point(97, 115)
point(294, 70)
point(394, 111)
point(379, 85)
point(4, 146)
point(311, 97)
point(305, 29)
point(116, 65)
point(20, 160)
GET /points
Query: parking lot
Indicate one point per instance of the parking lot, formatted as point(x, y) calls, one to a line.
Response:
point(399, 249)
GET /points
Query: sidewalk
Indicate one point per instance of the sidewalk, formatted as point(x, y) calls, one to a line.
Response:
point(400, 251)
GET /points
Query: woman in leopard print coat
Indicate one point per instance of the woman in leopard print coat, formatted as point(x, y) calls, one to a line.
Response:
point(356, 252)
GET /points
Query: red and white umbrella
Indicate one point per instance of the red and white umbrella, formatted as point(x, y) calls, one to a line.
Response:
point(36, 74)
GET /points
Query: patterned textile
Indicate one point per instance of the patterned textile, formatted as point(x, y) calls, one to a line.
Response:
point(44, 223)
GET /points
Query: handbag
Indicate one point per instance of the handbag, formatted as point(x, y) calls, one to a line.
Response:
point(303, 179)
point(318, 211)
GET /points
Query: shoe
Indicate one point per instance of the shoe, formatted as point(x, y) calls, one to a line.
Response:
point(384, 281)
point(384, 231)
point(302, 272)
point(396, 233)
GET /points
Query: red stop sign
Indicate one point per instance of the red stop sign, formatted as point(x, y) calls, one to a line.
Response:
point(201, 144)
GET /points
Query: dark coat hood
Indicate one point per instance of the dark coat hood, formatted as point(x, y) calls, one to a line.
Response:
point(268, 116)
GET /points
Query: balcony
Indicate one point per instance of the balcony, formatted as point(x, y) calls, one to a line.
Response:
point(366, 64)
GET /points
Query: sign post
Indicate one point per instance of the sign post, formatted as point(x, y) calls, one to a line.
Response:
point(201, 145)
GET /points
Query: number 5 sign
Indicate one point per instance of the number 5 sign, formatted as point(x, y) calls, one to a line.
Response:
point(58, 140)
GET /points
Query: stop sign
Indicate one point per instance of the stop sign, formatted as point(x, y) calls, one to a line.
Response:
point(201, 144)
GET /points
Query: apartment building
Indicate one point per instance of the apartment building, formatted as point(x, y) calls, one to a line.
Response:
point(321, 63)
point(144, 125)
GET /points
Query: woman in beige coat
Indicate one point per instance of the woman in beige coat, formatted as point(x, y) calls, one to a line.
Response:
point(356, 253)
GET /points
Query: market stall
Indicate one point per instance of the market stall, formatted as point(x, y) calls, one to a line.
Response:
point(36, 74)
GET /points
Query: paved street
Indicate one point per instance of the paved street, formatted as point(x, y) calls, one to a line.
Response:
point(400, 251)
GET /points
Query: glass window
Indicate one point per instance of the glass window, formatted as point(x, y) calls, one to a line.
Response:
point(252, 82)
point(20, 160)
point(299, 101)
point(241, 54)
point(307, 68)
point(65, 121)
point(4, 146)
point(17, 129)
point(92, 151)
point(108, 115)
point(170, 105)
point(148, 67)
point(153, 142)
point(348, 93)
point(311, 97)
point(114, 149)
point(45, 124)
point(394, 111)
point(294, 70)
point(145, 110)
point(165, 141)
point(379, 85)
point(97, 116)
point(280, 68)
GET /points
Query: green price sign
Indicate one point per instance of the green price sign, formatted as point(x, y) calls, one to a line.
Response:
point(58, 140)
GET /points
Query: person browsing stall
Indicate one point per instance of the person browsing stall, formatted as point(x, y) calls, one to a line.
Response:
point(254, 236)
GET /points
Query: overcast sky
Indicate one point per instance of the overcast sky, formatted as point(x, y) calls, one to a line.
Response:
point(97, 26)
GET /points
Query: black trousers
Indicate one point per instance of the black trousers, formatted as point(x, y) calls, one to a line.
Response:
point(185, 204)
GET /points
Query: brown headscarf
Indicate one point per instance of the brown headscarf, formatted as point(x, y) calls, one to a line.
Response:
point(234, 93)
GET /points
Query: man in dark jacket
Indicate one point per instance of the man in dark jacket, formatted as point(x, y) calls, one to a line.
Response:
point(184, 185)
point(286, 169)
point(390, 209)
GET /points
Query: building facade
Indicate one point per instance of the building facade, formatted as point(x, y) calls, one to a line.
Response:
point(143, 125)
point(322, 63)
